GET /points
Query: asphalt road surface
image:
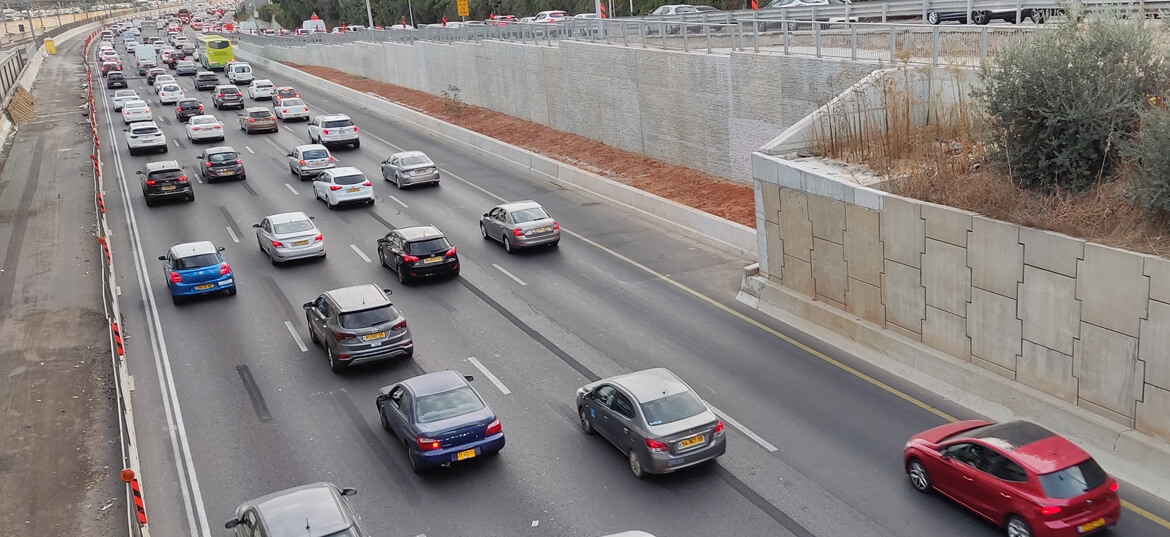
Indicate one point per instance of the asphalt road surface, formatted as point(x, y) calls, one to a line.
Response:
point(233, 401)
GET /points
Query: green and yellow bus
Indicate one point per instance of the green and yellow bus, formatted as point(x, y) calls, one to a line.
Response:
point(215, 51)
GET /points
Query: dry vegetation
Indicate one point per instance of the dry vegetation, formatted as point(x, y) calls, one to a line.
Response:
point(945, 162)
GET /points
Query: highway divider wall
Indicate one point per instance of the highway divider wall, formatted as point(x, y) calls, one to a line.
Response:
point(702, 111)
point(706, 228)
point(1067, 332)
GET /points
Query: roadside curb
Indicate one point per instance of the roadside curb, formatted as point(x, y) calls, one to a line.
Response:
point(706, 228)
point(1133, 457)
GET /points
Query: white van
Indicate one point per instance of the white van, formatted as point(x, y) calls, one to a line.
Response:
point(239, 73)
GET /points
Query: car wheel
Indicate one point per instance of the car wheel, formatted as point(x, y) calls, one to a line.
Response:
point(165, 148)
point(232, 291)
point(981, 17)
point(272, 259)
point(483, 231)
point(933, 18)
point(382, 418)
point(636, 465)
point(507, 244)
point(919, 476)
point(382, 257)
point(149, 202)
point(1038, 16)
point(331, 206)
point(1017, 527)
point(555, 243)
point(397, 181)
point(313, 336)
point(260, 245)
point(292, 170)
point(176, 299)
point(357, 144)
point(414, 462)
point(403, 278)
point(191, 197)
point(586, 426)
point(334, 365)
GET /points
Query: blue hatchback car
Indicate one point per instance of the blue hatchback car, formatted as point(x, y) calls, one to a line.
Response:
point(440, 418)
point(197, 268)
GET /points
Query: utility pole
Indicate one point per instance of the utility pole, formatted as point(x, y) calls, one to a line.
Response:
point(369, 15)
point(32, 28)
point(59, 14)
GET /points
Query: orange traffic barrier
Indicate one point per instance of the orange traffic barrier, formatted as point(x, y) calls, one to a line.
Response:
point(110, 260)
point(118, 339)
point(139, 504)
point(101, 204)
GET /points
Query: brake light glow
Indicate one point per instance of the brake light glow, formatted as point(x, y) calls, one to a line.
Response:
point(450, 252)
point(215, 126)
point(407, 258)
point(335, 188)
point(200, 108)
point(176, 277)
point(182, 179)
point(277, 244)
point(655, 445)
point(718, 427)
point(355, 128)
point(220, 95)
point(367, 183)
point(151, 182)
point(1049, 510)
point(302, 161)
point(208, 164)
point(556, 225)
point(305, 110)
point(195, 129)
point(324, 131)
point(342, 335)
point(427, 444)
point(517, 232)
point(319, 238)
point(494, 428)
point(1113, 487)
point(330, 159)
point(399, 326)
point(224, 269)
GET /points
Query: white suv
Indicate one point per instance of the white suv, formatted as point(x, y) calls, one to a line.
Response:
point(335, 129)
point(145, 135)
point(239, 73)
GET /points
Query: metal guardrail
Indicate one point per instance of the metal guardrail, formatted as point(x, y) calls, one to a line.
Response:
point(11, 66)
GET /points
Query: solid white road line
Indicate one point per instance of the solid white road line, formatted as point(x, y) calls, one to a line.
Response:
point(359, 253)
point(296, 336)
point(747, 432)
point(383, 140)
point(290, 187)
point(489, 375)
point(233, 234)
point(509, 274)
point(398, 201)
point(250, 150)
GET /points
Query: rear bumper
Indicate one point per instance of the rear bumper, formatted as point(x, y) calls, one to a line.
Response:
point(341, 197)
point(313, 172)
point(439, 457)
point(664, 463)
point(438, 269)
point(303, 252)
point(231, 104)
point(1069, 527)
point(403, 347)
point(411, 180)
point(207, 135)
point(528, 242)
point(338, 141)
point(188, 289)
point(256, 127)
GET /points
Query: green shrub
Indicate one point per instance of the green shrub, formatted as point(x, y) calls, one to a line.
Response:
point(1062, 102)
point(1149, 173)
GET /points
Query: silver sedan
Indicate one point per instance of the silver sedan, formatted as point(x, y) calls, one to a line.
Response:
point(520, 224)
point(410, 168)
point(291, 108)
point(654, 418)
point(288, 236)
point(308, 161)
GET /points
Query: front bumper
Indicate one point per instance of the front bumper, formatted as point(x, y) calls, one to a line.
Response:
point(189, 289)
point(439, 457)
point(664, 463)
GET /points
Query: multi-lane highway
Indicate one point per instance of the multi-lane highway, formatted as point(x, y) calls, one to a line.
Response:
point(233, 401)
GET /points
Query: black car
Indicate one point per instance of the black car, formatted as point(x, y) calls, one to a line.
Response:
point(205, 80)
point(153, 74)
point(227, 96)
point(418, 252)
point(186, 68)
point(175, 58)
point(188, 108)
point(221, 162)
point(165, 180)
point(145, 66)
point(309, 510)
point(116, 80)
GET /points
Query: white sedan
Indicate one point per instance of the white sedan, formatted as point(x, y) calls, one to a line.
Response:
point(122, 96)
point(138, 110)
point(163, 79)
point(205, 127)
point(170, 94)
point(292, 109)
point(261, 89)
point(343, 185)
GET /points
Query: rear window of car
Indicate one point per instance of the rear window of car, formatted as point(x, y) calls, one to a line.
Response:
point(136, 104)
point(163, 175)
point(207, 76)
point(334, 123)
point(260, 113)
point(531, 214)
point(1073, 481)
point(441, 406)
point(427, 246)
point(367, 318)
point(672, 408)
point(293, 227)
point(315, 153)
point(414, 161)
point(144, 130)
point(292, 102)
point(348, 179)
point(222, 157)
point(189, 104)
point(116, 75)
point(170, 87)
point(196, 261)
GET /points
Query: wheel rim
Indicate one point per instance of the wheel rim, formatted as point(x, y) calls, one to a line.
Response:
point(483, 231)
point(585, 421)
point(932, 18)
point(507, 244)
point(330, 354)
point(635, 464)
point(1017, 528)
point(918, 476)
point(980, 18)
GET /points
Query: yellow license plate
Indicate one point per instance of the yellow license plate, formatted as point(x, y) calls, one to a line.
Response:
point(465, 454)
point(371, 337)
point(1091, 525)
point(692, 441)
point(168, 188)
point(432, 259)
point(204, 286)
point(541, 229)
point(354, 190)
point(300, 243)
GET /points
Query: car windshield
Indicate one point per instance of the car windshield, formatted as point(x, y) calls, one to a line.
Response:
point(441, 406)
point(196, 261)
point(230, 91)
point(530, 214)
point(415, 161)
point(218, 45)
point(260, 114)
point(672, 408)
point(348, 179)
point(367, 318)
point(222, 157)
point(334, 123)
point(292, 102)
point(293, 226)
point(287, 91)
point(165, 174)
point(1073, 481)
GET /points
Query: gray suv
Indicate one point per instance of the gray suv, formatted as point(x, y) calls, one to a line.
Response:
point(314, 510)
point(357, 325)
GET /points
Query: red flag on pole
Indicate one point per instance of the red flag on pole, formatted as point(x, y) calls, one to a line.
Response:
point(492, 16)
point(755, 5)
point(445, 20)
point(604, 15)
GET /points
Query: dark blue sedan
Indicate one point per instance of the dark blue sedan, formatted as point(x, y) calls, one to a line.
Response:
point(197, 268)
point(440, 418)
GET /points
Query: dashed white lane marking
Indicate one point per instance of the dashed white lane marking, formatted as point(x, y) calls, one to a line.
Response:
point(360, 253)
point(176, 140)
point(233, 234)
point(489, 375)
point(400, 202)
point(535, 523)
point(290, 187)
point(250, 150)
point(383, 140)
point(296, 336)
point(287, 128)
point(509, 274)
point(747, 432)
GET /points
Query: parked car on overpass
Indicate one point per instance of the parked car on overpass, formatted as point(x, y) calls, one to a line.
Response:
point(985, 16)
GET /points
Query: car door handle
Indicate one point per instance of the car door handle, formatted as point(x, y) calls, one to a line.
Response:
point(965, 478)
point(1008, 496)
point(606, 418)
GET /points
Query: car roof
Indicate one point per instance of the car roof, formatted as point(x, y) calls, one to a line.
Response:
point(437, 382)
point(201, 73)
point(650, 384)
point(188, 249)
point(327, 117)
point(137, 124)
point(307, 147)
point(405, 154)
point(419, 232)
point(1031, 445)
point(289, 511)
point(358, 297)
point(284, 218)
point(344, 170)
point(251, 109)
point(163, 165)
point(514, 205)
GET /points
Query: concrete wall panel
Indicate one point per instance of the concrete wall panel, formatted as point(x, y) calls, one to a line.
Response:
point(1048, 371)
point(1104, 363)
point(775, 256)
point(946, 277)
point(830, 271)
point(994, 329)
point(903, 295)
point(771, 199)
point(995, 256)
point(865, 301)
point(1049, 309)
point(1154, 348)
point(946, 332)
point(1153, 413)
point(828, 218)
point(1158, 270)
point(863, 245)
point(902, 231)
point(795, 227)
point(798, 276)
point(1051, 251)
point(946, 224)
point(1112, 288)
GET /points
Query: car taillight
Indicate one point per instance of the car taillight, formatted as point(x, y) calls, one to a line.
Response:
point(367, 183)
point(176, 277)
point(401, 324)
point(182, 179)
point(355, 128)
point(655, 445)
point(251, 120)
point(335, 188)
point(220, 95)
point(178, 109)
point(407, 258)
point(238, 161)
point(277, 244)
point(1113, 487)
point(427, 444)
point(556, 225)
point(285, 111)
point(319, 238)
point(342, 335)
point(494, 428)
point(224, 269)
point(200, 108)
point(195, 129)
point(215, 126)
point(208, 164)
point(324, 131)
point(330, 159)
point(718, 427)
point(151, 182)
point(517, 232)
point(302, 161)
point(1048, 510)
point(450, 252)
point(305, 110)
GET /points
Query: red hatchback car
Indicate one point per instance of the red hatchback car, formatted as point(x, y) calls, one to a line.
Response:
point(1018, 475)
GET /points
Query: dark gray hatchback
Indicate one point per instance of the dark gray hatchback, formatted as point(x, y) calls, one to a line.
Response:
point(221, 162)
point(316, 510)
point(206, 80)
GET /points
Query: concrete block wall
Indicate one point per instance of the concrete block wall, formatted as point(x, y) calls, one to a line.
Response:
point(703, 111)
point(1082, 322)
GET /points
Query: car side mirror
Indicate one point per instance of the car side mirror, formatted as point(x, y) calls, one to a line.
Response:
point(289, 154)
point(256, 225)
point(388, 291)
point(307, 305)
point(221, 248)
point(139, 172)
point(231, 523)
point(348, 491)
point(162, 258)
point(125, 130)
point(469, 378)
point(312, 218)
point(485, 215)
point(199, 157)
